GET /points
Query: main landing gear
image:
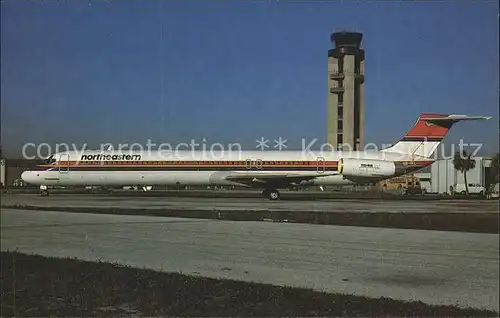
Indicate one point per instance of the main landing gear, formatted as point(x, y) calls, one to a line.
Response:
point(272, 194)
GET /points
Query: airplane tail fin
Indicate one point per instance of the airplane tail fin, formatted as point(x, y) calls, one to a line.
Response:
point(427, 133)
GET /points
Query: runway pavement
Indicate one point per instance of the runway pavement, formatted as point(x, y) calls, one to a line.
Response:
point(432, 266)
point(253, 204)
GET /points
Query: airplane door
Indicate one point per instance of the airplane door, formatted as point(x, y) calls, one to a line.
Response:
point(63, 166)
point(320, 165)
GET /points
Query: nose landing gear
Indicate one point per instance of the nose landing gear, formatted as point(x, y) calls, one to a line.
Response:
point(44, 191)
point(272, 194)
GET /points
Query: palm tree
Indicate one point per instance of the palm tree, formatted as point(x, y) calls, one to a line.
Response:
point(463, 162)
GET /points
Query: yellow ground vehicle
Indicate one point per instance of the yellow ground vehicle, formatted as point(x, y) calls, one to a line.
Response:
point(407, 183)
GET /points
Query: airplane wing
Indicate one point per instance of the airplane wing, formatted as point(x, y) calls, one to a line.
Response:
point(276, 178)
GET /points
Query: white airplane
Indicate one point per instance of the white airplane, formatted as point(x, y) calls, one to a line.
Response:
point(268, 170)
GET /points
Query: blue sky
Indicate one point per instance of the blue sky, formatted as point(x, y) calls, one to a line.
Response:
point(234, 71)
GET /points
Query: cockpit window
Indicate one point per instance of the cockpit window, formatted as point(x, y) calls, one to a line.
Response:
point(50, 160)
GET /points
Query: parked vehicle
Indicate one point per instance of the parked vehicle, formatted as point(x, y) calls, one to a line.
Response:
point(19, 183)
point(407, 184)
point(474, 188)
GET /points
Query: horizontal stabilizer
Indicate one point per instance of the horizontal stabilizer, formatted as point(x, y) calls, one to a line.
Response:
point(451, 119)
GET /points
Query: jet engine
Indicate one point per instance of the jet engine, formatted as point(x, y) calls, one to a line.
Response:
point(352, 168)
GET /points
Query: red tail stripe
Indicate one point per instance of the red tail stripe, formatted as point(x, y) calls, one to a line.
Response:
point(425, 129)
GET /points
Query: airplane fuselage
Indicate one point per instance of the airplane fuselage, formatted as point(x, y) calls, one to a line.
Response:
point(250, 169)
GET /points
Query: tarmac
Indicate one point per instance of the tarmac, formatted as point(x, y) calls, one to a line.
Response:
point(252, 204)
point(436, 267)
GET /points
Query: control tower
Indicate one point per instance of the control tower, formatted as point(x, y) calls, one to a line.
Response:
point(345, 102)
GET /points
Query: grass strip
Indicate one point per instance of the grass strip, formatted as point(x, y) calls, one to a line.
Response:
point(42, 286)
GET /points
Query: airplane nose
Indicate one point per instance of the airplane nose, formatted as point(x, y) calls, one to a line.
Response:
point(25, 176)
point(29, 176)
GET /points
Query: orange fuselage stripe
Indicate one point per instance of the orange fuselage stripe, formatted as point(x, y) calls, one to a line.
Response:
point(191, 164)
